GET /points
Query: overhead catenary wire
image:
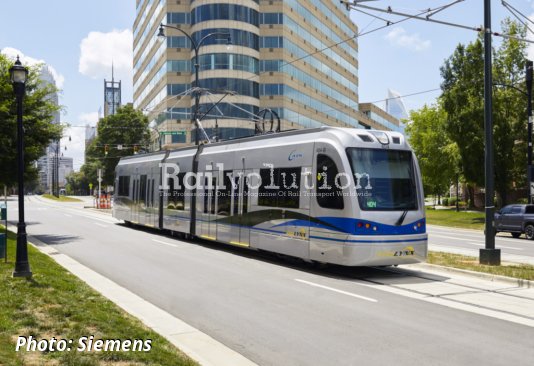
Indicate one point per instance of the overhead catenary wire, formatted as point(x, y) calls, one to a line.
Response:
point(517, 14)
point(389, 10)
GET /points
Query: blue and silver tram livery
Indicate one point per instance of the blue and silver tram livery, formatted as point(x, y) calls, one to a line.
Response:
point(331, 195)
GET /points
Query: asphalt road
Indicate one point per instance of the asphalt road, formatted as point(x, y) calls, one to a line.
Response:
point(278, 312)
point(470, 241)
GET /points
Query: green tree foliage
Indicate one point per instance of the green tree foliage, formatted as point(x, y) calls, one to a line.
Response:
point(77, 184)
point(129, 128)
point(463, 101)
point(38, 114)
point(434, 150)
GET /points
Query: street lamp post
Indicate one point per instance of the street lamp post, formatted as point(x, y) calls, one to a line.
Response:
point(488, 254)
point(195, 47)
point(529, 65)
point(19, 75)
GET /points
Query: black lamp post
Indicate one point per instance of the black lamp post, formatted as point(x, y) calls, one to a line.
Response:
point(19, 75)
point(195, 47)
point(489, 254)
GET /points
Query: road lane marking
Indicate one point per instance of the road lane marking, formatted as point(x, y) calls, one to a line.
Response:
point(430, 235)
point(477, 244)
point(165, 243)
point(67, 215)
point(336, 290)
point(101, 225)
point(504, 247)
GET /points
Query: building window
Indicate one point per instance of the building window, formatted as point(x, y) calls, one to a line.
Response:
point(235, 12)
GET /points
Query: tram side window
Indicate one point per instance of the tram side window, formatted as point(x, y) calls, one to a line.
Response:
point(268, 196)
point(176, 200)
point(124, 186)
point(224, 195)
point(288, 193)
point(289, 182)
point(328, 194)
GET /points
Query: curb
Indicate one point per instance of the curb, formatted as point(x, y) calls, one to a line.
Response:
point(486, 276)
point(197, 345)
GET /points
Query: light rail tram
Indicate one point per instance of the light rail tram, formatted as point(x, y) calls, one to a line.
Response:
point(351, 197)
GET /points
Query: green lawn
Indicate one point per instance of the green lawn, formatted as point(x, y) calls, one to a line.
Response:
point(57, 304)
point(522, 271)
point(462, 219)
point(61, 198)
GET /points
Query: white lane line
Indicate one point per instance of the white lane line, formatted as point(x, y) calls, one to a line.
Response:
point(504, 247)
point(165, 243)
point(67, 215)
point(101, 225)
point(477, 244)
point(430, 235)
point(336, 290)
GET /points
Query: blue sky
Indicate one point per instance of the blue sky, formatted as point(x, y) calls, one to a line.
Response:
point(79, 40)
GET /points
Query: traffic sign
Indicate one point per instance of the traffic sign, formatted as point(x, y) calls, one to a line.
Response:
point(172, 133)
point(532, 188)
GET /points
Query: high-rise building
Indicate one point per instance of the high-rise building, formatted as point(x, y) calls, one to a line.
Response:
point(47, 164)
point(296, 58)
point(395, 106)
point(112, 95)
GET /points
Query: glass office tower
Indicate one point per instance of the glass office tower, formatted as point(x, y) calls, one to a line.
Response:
point(296, 58)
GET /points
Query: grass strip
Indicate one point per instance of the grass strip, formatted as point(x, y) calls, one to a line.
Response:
point(61, 198)
point(55, 303)
point(449, 217)
point(522, 271)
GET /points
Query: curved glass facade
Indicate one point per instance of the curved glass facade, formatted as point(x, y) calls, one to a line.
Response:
point(227, 110)
point(240, 86)
point(239, 37)
point(235, 12)
point(228, 61)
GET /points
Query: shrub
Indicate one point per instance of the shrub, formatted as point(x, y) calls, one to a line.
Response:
point(445, 201)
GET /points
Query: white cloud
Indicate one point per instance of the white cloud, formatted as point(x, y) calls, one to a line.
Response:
point(98, 50)
point(30, 61)
point(399, 37)
point(90, 118)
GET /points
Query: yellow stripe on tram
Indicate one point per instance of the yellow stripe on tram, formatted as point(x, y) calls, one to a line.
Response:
point(207, 237)
point(239, 244)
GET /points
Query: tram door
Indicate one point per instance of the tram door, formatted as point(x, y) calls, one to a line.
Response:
point(135, 199)
point(208, 206)
point(240, 230)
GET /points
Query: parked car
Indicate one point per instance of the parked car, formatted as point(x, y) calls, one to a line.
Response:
point(516, 220)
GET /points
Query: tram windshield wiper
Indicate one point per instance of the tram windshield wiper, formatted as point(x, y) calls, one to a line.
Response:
point(401, 219)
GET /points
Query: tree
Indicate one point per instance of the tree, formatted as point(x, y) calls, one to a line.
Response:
point(427, 136)
point(38, 114)
point(463, 100)
point(77, 183)
point(128, 128)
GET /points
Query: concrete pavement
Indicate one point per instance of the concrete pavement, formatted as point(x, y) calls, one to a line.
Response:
point(277, 312)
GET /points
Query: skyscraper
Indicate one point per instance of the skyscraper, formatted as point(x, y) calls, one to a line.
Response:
point(48, 164)
point(112, 95)
point(296, 58)
point(395, 105)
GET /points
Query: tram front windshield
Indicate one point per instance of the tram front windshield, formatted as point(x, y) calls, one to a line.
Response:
point(385, 179)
